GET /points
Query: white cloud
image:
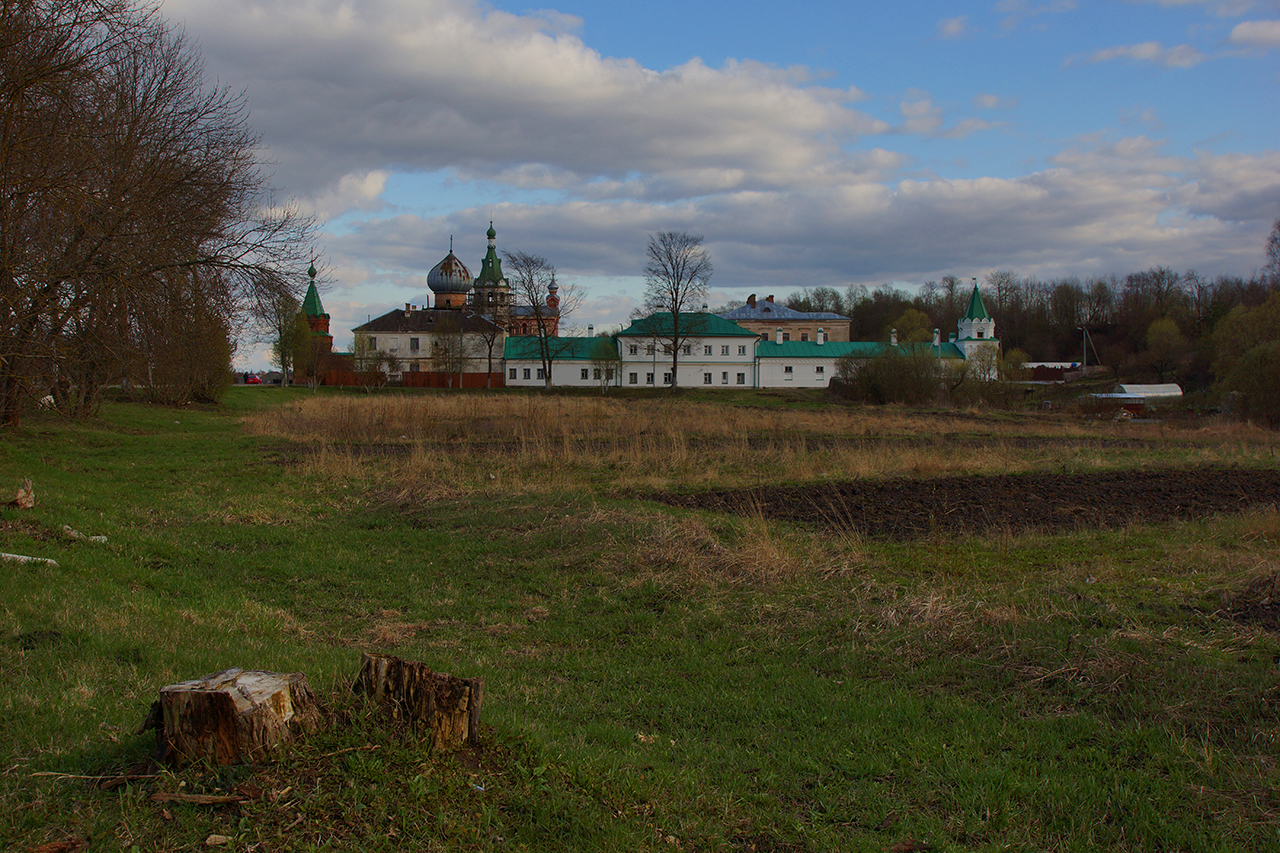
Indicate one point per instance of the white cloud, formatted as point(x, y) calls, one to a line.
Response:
point(1264, 34)
point(1101, 206)
point(987, 101)
point(412, 85)
point(351, 192)
point(1221, 8)
point(920, 115)
point(1180, 56)
point(1019, 12)
point(954, 28)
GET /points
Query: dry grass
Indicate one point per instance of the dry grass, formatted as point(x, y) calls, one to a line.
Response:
point(437, 446)
point(495, 418)
point(695, 551)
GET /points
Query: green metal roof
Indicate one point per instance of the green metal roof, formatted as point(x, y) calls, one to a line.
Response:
point(692, 325)
point(839, 349)
point(491, 266)
point(311, 305)
point(526, 348)
point(977, 310)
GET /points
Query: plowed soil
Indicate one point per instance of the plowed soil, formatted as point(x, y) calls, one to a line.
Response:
point(907, 509)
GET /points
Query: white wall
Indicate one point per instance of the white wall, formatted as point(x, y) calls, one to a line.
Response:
point(804, 372)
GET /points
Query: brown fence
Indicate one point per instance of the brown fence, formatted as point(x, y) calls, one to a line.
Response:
point(433, 379)
point(423, 379)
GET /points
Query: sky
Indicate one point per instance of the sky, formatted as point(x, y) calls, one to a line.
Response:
point(810, 144)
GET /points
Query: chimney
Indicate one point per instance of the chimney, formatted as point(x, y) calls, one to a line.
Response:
point(591, 331)
point(751, 301)
point(769, 298)
point(952, 339)
point(822, 337)
point(937, 337)
point(893, 337)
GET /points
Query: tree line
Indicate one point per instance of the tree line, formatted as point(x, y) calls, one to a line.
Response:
point(1154, 325)
point(138, 233)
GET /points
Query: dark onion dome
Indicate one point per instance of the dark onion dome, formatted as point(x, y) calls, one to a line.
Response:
point(449, 276)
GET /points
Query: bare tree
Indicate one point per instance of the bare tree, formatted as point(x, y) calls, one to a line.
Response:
point(606, 363)
point(280, 316)
point(542, 302)
point(488, 331)
point(676, 276)
point(449, 349)
point(1004, 284)
point(126, 188)
point(373, 366)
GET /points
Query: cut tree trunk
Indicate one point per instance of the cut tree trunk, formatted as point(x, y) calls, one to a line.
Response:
point(410, 691)
point(232, 716)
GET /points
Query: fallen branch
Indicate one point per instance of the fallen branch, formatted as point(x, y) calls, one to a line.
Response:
point(76, 534)
point(198, 799)
point(22, 558)
point(115, 777)
point(367, 746)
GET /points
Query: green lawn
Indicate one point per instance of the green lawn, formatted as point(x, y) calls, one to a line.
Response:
point(648, 685)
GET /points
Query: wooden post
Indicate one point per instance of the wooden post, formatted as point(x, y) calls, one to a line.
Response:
point(449, 706)
point(232, 716)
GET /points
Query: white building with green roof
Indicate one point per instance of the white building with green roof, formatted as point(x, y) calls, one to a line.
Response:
point(713, 352)
point(718, 353)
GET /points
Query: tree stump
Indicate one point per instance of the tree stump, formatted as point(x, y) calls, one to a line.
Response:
point(232, 716)
point(410, 691)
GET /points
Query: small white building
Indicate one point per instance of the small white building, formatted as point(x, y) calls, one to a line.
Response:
point(575, 362)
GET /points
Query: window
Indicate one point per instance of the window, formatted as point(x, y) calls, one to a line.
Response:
point(413, 367)
point(687, 349)
point(786, 336)
point(742, 350)
point(511, 374)
point(666, 379)
point(632, 378)
point(666, 349)
point(373, 342)
point(648, 350)
point(542, 372)
point(595, 374)
point(584, 373)
point(413, 344)
point(724, 378)
point(820, 370)
point(526, 373)
point(633, 349)
point(706, 350)
point(804, 336)
point(787, 373)
point(764, 336)
point(706, 379)
point(742, 379)
point(648, 379)
point(608, 373)
point(980, 334)
point(724, 349)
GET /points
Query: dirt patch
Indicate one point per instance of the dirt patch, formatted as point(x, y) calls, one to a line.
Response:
point(908, 509)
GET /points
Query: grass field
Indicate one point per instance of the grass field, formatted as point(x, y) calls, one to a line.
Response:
point(657, 679)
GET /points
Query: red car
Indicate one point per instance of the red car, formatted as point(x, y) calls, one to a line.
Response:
point(253, 380)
